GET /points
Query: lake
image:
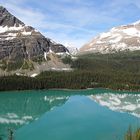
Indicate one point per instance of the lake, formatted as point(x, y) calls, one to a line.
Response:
point(93, 114)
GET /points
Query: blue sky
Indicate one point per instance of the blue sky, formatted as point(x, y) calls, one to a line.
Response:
point(74, 22)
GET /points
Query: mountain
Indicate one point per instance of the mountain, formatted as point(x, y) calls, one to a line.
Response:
point(73, 50)
point(122, 38)
point(24, 49)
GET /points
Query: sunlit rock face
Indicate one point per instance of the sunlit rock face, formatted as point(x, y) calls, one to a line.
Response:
point(119, 102)
point(19, 42)
point(122, 38)
point(17, 39)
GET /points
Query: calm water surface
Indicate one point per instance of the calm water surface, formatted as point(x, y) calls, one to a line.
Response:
point(69, 115)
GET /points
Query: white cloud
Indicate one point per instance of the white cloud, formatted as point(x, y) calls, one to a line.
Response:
point(37, 19)
point(74, 21)
point(65, 39)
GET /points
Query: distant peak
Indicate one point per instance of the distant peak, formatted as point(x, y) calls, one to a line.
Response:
point(7, 19)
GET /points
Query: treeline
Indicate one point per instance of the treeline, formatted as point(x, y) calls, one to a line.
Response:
point(123, 62)
point(119, 71)
point(73, 80)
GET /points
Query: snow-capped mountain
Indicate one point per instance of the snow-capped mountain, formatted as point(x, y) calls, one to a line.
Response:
point(73, 50)
point(19, 42)
point(15, 35)
point(122, 38)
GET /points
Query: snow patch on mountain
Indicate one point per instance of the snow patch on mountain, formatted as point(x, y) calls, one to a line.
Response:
point(132, 32)
point(4, 29)
point(26, 33)
point(104, 35)
point(122, 38)
point(9, 33)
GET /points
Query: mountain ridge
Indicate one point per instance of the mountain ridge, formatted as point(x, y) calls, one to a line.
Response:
point(19, 42)
point(121, 38)
point(5, 16)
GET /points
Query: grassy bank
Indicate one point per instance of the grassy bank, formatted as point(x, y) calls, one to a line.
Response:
point(133, 135)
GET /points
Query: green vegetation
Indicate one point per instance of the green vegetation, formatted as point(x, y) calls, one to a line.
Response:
point(132, 135)
point(3, 64)
point(67, 60)
point(10, 65)
point(124, 62)
point(73, 80)
point(119, 71)
point(27, 65)
point(39, 59)
point(14, 65)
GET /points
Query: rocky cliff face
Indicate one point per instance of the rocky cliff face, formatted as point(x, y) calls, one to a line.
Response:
point(123, 38)
point(21, 42)
point(6, 19)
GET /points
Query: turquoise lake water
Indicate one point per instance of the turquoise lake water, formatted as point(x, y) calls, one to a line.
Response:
point(69, 115)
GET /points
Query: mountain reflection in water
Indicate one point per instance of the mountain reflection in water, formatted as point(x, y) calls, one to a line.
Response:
point(119, 102)
point(18, 109)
